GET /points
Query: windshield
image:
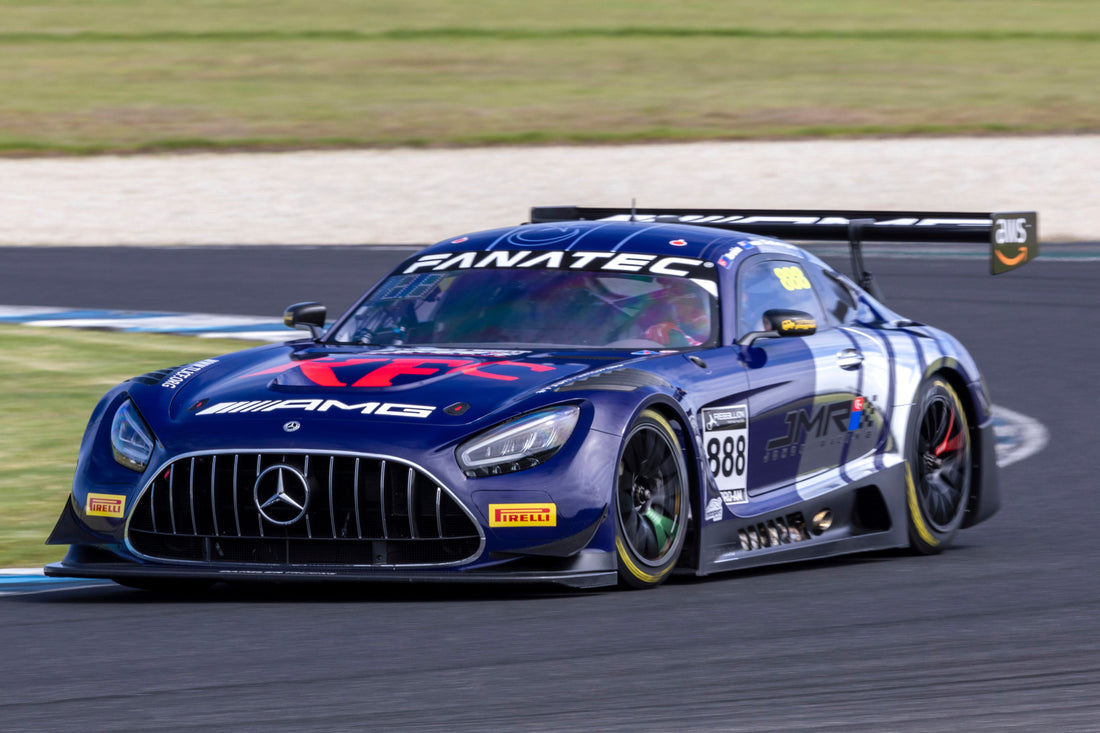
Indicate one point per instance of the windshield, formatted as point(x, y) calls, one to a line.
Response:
point(534, 308)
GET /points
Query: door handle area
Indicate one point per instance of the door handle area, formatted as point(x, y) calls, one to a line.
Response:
point(849, 359)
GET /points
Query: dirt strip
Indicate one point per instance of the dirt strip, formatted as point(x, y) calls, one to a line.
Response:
point(417, 196)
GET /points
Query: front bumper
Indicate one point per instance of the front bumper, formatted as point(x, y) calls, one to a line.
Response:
point(587, 569)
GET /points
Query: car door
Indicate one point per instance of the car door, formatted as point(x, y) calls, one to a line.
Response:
point(805, 402)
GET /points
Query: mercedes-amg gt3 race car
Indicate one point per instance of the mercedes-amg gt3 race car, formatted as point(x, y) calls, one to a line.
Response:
point(598, 396)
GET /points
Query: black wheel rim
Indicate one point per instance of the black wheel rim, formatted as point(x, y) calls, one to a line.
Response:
point(943, 460)
point(650, 496)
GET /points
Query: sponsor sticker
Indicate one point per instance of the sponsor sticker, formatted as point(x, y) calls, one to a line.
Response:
point(562, 260)
point(857, 414)
point(357, 372)
point(726, 442)
point(714, 510)
point(182, 374)
point(523, 515)
point(105, 505)
point(1013, 241)
point(382, 409)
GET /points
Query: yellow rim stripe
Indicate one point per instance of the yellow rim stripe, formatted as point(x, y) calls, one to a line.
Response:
point(914, 510)
point(636, 571)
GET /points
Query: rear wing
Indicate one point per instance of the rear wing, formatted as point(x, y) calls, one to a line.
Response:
point(1013, 237)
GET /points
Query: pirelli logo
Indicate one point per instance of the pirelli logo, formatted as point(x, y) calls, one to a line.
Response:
point(105, 505)
point(523, 515)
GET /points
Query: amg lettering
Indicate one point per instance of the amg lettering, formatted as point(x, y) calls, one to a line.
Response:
point(387, 409)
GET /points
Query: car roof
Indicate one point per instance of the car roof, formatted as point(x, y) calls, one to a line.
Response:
point(656, 238)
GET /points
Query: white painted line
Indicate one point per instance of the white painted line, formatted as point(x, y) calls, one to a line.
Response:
point(1018, 436)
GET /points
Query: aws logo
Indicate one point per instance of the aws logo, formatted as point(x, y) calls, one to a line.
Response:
point(1014, 241)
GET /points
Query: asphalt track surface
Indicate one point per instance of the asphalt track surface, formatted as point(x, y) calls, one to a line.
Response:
point(999, 633)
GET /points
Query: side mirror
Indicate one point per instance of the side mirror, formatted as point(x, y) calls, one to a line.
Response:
point(780, 323)
point(307, 317)
point(790, 322)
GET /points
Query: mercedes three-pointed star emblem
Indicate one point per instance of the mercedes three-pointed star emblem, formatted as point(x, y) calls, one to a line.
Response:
point(281, 494)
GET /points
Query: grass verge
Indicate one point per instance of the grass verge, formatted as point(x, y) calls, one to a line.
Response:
point(55, 377)
point(79, 77)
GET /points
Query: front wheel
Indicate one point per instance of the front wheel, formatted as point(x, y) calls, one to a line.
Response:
point(652, 502)
point(938, 481)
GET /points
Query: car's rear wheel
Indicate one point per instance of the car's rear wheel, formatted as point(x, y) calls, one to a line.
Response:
point(652, 502)
point(939, 467)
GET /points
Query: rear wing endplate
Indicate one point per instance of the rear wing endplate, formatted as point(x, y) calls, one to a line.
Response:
point(1013, 237)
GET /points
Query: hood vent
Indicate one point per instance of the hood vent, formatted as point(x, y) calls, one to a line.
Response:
point(616, 380)
point(155, 378)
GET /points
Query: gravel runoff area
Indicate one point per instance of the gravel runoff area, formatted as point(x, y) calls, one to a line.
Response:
point(407, 196)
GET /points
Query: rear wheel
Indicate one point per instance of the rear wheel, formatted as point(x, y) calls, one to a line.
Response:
point(652, 502)
point(939, 467)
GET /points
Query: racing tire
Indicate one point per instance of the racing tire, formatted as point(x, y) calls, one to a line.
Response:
point(651, 499)
point(939, 470)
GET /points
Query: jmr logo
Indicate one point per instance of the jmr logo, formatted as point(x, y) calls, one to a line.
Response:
point(833, 417)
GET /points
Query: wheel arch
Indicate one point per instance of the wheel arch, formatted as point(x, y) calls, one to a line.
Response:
point(681, 424)
point(948, 370)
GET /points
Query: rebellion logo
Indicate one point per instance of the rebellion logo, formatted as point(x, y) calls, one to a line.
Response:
point(105, 505)
point(523, 515)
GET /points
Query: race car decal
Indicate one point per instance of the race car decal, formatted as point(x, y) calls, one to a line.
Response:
point(714, 510)
point(523, 515)
point(448, 351)
point(182, 374)
point(386, 409)
point(105, 505)
point(791, 277)
point(826, 424)
point(726, 441)
point(564, 260)
point(1014, 241)
point(371, 371)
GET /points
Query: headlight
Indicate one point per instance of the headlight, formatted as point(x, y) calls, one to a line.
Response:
point(131, 440)
point(520, 444)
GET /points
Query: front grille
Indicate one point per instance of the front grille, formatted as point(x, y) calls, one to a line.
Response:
point(361, 510)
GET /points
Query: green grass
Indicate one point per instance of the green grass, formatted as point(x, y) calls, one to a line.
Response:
point(109, 75)
point(55, 378)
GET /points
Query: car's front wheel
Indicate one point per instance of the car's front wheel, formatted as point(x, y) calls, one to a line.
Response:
point(939, 467)
point(651, 500)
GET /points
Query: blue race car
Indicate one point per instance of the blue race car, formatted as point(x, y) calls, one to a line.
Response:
point(600, 396)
